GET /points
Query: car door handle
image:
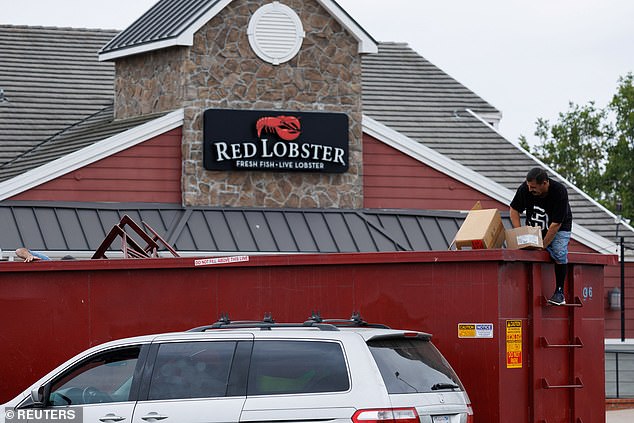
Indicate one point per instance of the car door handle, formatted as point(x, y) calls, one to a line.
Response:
point(111, 418)
point(153, 416)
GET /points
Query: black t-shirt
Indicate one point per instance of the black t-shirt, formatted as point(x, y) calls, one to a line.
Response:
point(542, 211)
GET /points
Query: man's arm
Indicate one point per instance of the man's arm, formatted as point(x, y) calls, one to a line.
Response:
point(26, 255)
point(29, 255)
point(515, 217)
point(550, 235)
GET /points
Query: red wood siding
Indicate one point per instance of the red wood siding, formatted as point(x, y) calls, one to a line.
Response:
point(577, 247)
point(394, 180)
point(149, 172)
point(613, 317)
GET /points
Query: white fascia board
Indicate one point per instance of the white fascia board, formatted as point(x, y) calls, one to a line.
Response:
point(183, 40)
point(491, 117)
point(435, 160)
point(469, 177)
point(366, 43)
point(592, 240)
point(90, 154)
point(616, 345)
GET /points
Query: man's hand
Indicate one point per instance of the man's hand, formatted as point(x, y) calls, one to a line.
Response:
point(31, 257)
point(550, 235)
point(26, 255)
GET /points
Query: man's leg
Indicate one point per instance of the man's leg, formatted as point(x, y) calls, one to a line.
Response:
point(558, 250)
point(560, 276)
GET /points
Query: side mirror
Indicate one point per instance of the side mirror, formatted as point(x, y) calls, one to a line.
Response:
point(39, 396)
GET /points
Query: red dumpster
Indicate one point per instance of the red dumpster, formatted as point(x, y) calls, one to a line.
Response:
point(520, 359)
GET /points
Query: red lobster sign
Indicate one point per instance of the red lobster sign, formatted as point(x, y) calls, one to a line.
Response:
point(286, 127)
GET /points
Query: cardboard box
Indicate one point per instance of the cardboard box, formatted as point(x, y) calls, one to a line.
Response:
point(524, 238)
point(482, 229)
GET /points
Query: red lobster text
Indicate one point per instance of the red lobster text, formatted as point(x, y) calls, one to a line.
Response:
point(286, 127)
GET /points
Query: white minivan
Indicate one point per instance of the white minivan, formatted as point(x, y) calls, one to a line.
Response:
point(334, 371)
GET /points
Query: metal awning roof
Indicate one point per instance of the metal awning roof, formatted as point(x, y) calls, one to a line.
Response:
point(78, 228)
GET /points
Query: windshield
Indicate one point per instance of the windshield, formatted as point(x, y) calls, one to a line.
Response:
point(412, 366)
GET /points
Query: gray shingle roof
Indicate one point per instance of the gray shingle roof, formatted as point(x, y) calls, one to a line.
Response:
point(404, 91)
point(399, 85)
point(63, 228)
point(87, 132)
point(59, 98)
point(52, 80)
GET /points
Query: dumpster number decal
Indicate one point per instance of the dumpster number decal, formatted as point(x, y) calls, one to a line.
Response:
point(587, 293)
point(513, 344)
point(475, 330)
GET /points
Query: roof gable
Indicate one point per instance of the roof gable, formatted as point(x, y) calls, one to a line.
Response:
point(174, 22)
point(467, 176)
point(89, 154)
point(87, 132)
point(417, 100)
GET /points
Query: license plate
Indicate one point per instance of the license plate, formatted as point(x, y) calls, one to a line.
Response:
point(440, 419)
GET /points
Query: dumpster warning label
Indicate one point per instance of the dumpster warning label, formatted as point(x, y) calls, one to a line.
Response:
point(220, 260)
point(475, 330)
point(513, 344)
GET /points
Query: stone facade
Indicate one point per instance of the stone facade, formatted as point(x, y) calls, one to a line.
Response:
point(150, 83)
point(221, 71)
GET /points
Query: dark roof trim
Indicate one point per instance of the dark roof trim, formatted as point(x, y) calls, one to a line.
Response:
point(165, 22)
point(79, 228)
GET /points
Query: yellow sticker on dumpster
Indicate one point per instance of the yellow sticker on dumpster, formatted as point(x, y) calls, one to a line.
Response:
point(513, 344)
point(475, 330)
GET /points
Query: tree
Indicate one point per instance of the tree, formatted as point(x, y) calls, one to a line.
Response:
point(619, 172)
point(594, 148)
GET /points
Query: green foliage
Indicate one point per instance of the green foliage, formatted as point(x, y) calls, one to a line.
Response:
point(524, 143)
point(619, 174)
point(594, 148)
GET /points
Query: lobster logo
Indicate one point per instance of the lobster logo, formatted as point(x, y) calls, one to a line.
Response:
point(286, 127)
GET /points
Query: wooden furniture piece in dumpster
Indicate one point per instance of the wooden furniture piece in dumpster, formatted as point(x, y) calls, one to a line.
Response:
point(129, 247)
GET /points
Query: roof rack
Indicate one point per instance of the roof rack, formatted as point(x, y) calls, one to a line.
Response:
point(267, 323)
point(355, 321)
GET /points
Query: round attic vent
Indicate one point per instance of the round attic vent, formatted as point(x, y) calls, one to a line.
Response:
point(275, 33)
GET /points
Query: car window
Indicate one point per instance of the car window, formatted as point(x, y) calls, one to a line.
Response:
point(294, 367)
point(192, 370)
point(412, 366)
point(104, 377)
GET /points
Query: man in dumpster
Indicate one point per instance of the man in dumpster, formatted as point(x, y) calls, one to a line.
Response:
point(29, 255)
point(546, 204)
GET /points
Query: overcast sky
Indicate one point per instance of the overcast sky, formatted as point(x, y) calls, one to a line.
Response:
point(528, 58)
